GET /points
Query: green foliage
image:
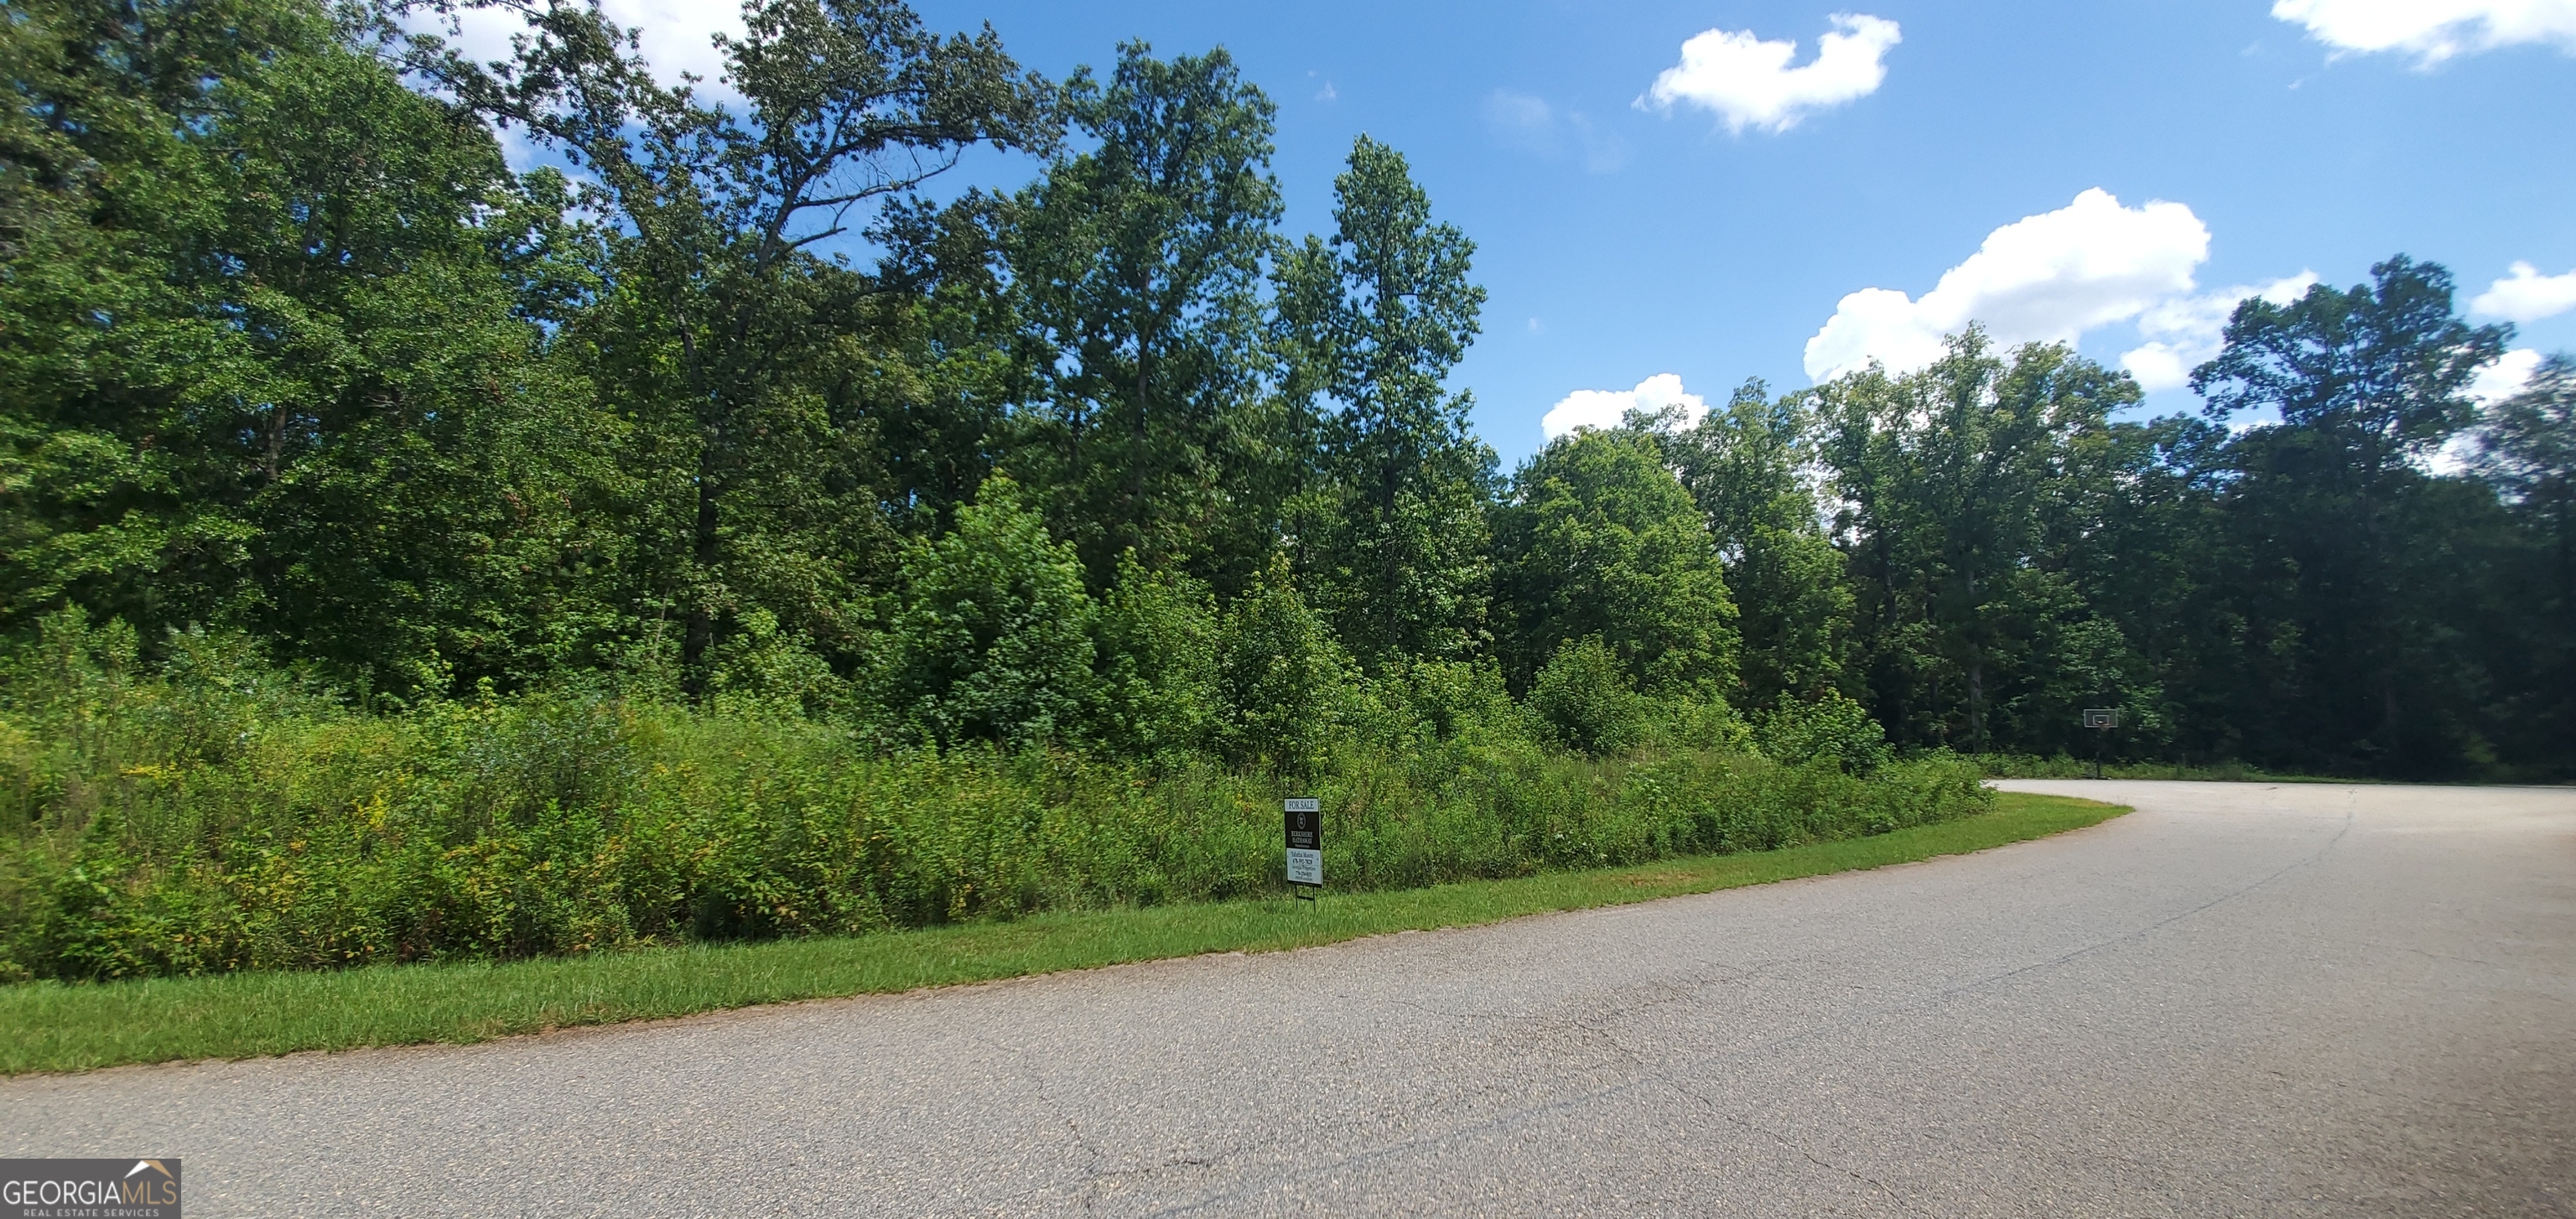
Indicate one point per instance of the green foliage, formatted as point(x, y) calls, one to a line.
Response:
point(1158, 663)
point(85, 1027)
point(721, 333)
point(1830, 728)
point(1136, 266)
point(401, 557)
point(1419, 701)
point(1287, 686)
point(222, 822)
point(1585, 696)
point(1393, 532)
point(1748, 467)
point(993, 638)
point(2368, 382)
point(1601, 539)
point(2528, 452)
point(1953, 478)
point(264, 363)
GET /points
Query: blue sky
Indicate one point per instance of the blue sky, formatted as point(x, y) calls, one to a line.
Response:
point(1709, 230)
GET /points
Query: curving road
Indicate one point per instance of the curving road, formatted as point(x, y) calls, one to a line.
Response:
point(2239, 1000)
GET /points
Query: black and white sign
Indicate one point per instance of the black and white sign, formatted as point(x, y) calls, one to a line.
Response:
point(1305, 841)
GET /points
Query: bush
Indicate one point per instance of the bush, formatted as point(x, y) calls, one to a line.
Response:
point(992, 640)
point(1157, 664)
point(1829, 728)
point(1584, 697)
point(219, 816)
point(1289, 689)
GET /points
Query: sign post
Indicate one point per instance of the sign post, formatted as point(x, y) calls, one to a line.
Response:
point(2102, 720)
point(1305, 845)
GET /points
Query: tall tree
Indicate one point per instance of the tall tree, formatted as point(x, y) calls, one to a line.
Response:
point(726, 332)
point(2367, 382)
point(1748, 466)
point(2527, 451)
point(1599, 539)
point(1137, 265)
point(1947, 475)
point(2172, 600)
point(2527, 448)
point(1374, 321)
point(268, 355)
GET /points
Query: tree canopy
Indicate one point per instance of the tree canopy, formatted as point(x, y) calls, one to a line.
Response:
point(718, 403)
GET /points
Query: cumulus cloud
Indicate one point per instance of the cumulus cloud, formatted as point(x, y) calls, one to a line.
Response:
point(2186, 331)
point(2433, 30)
point(677, 36)
point(2526, 295)
point(1605, 408)
point(1749, 82)
point(2044, 278)
point(2506, 377)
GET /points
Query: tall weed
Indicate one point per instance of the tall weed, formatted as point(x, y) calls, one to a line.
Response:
point(218, 817)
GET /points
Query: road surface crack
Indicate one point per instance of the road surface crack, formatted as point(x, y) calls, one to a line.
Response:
point(1790, 1144)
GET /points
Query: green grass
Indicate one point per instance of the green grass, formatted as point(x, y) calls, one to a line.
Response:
point(47, 1026)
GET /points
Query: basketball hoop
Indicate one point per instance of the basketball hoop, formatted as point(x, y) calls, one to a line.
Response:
point(2102, 720)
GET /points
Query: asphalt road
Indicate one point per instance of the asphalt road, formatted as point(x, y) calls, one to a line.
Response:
point(2239, 1000)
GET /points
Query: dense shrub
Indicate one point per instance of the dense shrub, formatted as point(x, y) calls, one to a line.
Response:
point(1829, 728)
point(1584, 696)
point(217, 816)
point(993, 639)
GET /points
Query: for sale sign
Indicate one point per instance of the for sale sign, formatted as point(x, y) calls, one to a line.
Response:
point(1305, 841)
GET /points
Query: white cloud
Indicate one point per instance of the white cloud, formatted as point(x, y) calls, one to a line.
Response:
point(2044, 278)
point(677, 36)
point(2506, 377)
point(2186, 331)
point(2433, 30)
point(1605, 408)
point(1519, 118)
point(2526, 295)
point(2494, 383)
point(1749, 82)
point(1531, 123)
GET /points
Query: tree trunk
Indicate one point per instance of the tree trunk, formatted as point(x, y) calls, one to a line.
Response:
point(701, 631)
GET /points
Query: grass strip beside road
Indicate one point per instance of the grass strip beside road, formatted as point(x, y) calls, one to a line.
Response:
point(48, 1026)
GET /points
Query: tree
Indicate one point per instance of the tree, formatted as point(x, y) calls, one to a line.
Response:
point(1374, 321)
point(1949, 475)
point(724, 333)
point(993, 639)
point(1286, 682)
point(1159, 650)
point(270, 360)
point(2379, 371)
point(2527, 452)
point(1599, 538)
point(1747, 466)
point(2174, 631)
point(1136, 266)
point(2527, 449)
point(2366, 382)
point(1584, 694)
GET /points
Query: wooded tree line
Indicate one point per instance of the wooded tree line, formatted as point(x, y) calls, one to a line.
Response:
point(729, 410)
